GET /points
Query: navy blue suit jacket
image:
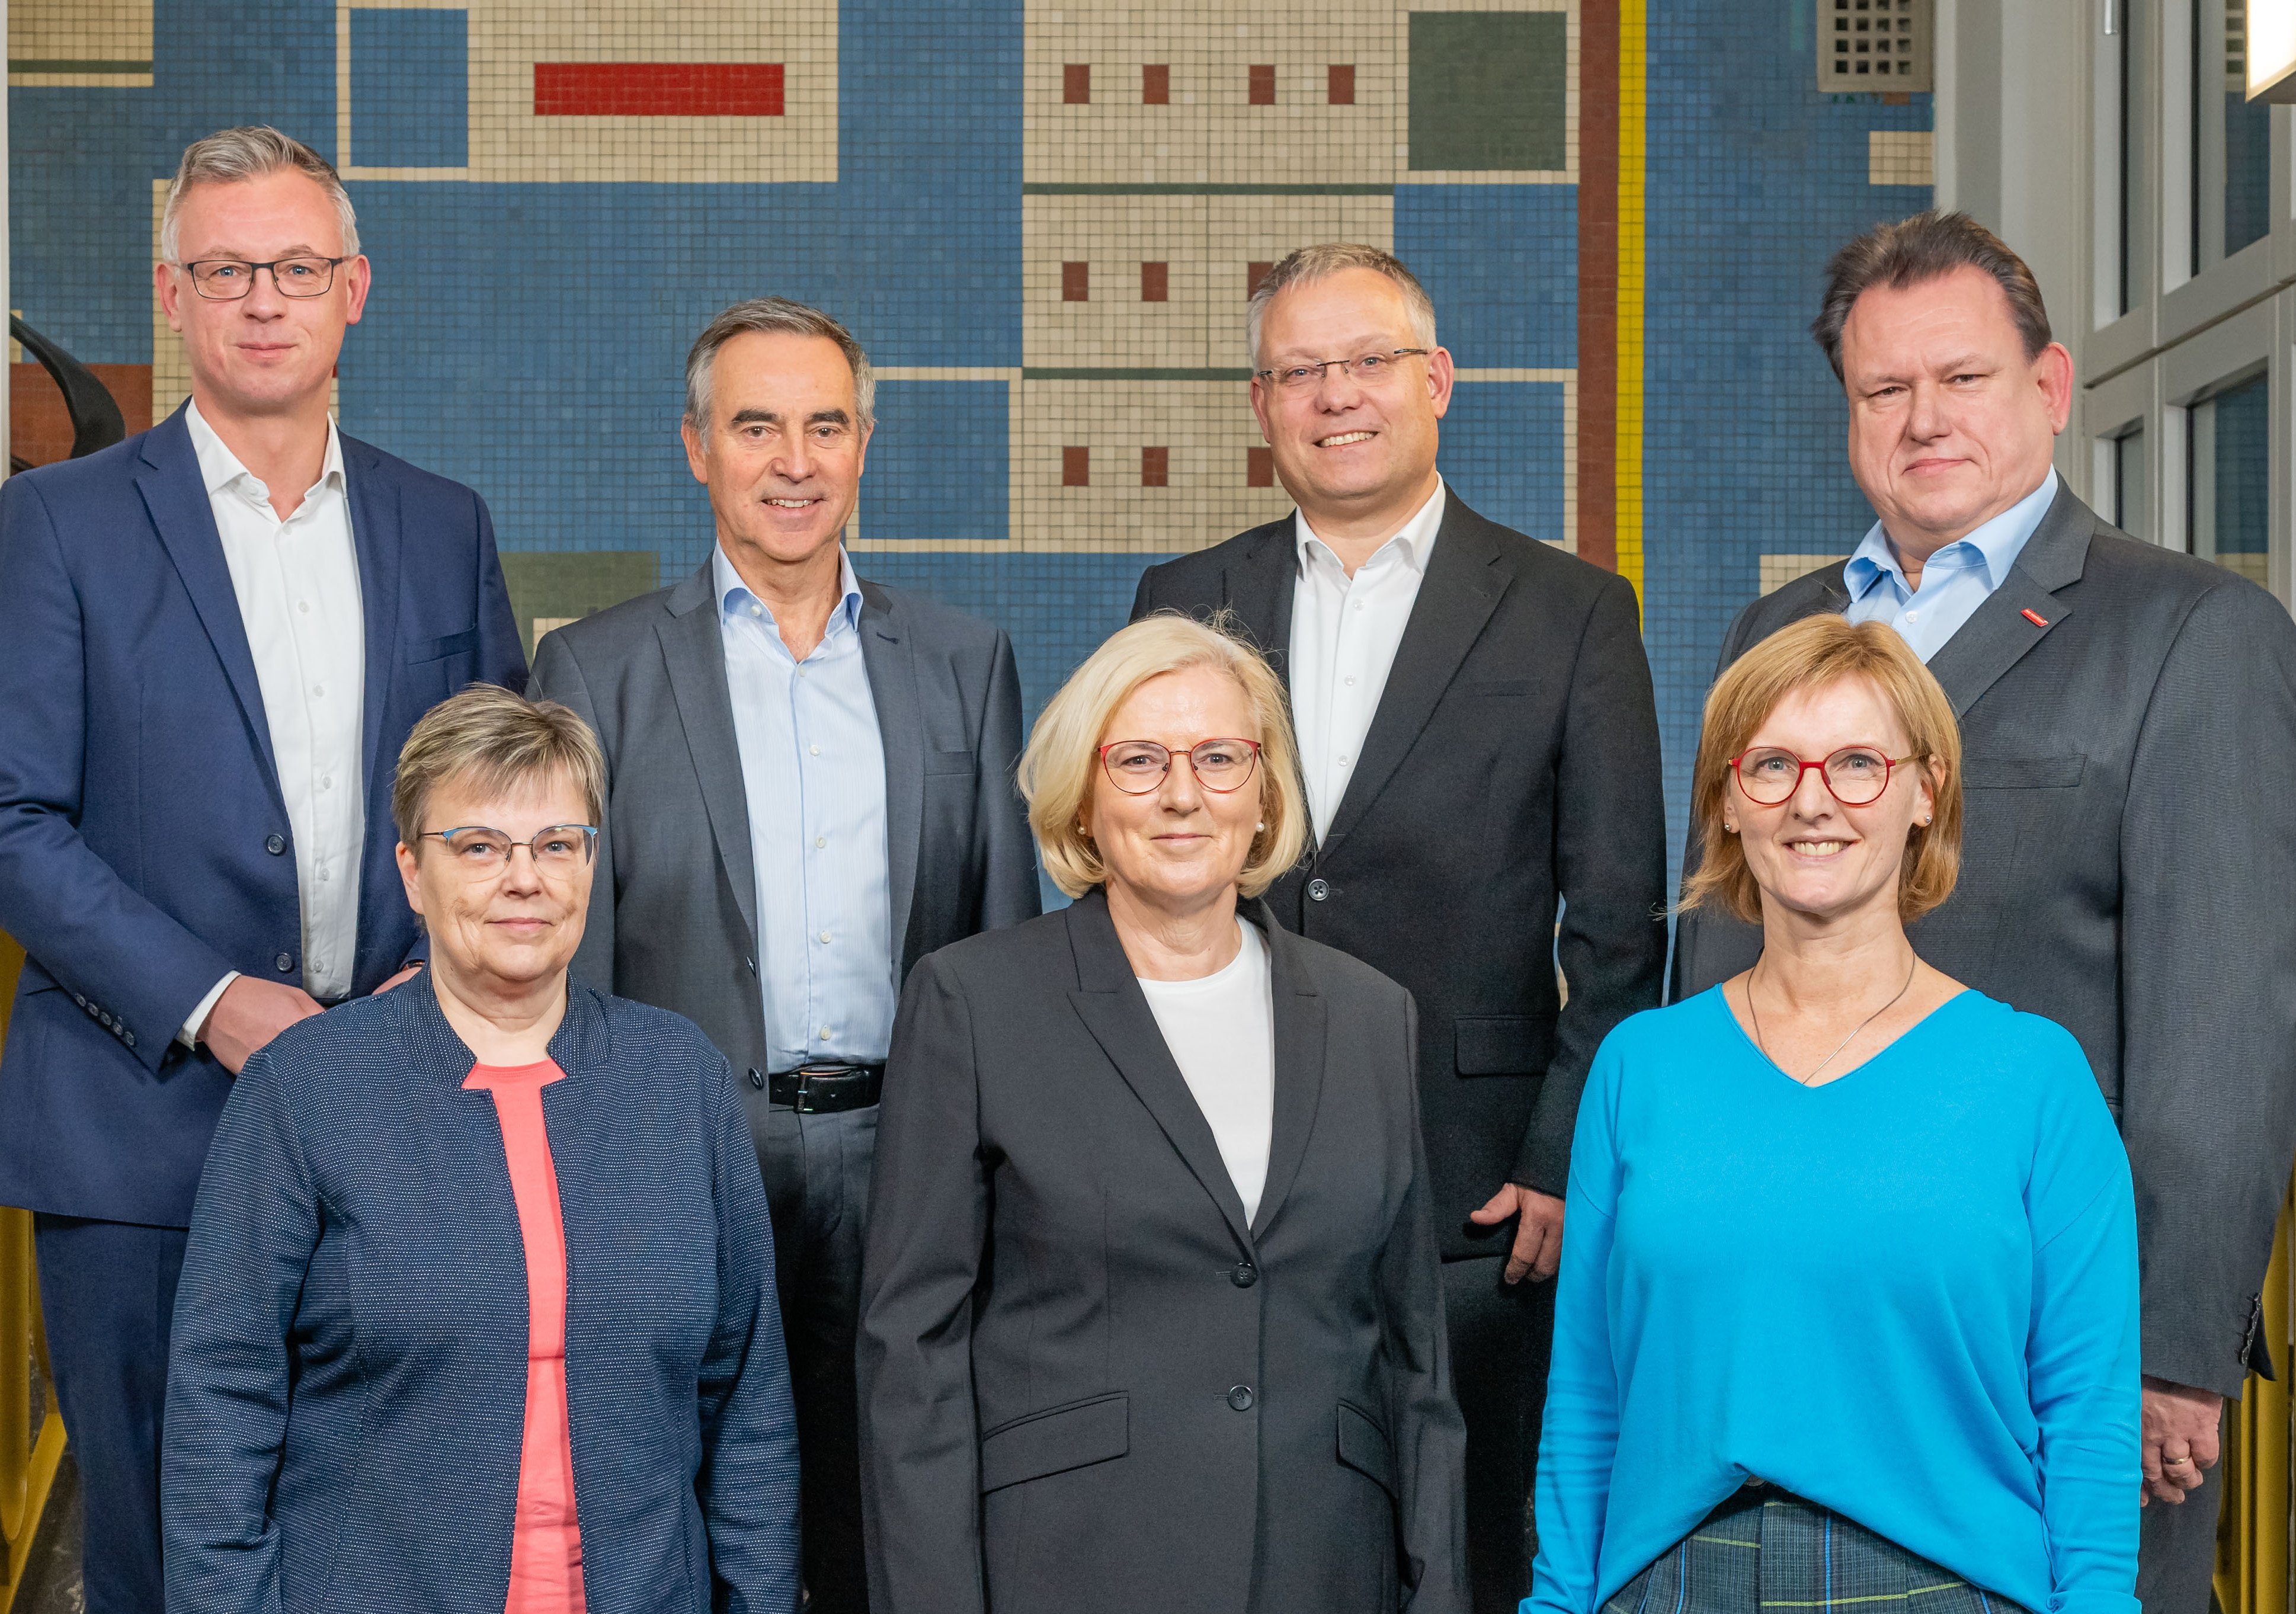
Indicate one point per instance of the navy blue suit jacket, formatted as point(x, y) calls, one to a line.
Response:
point(144, 847)
point(347, 1388)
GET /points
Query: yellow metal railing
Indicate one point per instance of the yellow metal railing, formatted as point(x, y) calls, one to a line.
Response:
point(2253, 1529)
point(28, 1460)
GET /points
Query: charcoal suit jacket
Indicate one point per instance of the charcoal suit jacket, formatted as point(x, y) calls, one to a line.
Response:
point(1086, 1381)
point(673, 904)
point(2128, 870)
point(1513, 765)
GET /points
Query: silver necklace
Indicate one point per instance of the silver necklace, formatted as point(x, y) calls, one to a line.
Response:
point(1756, 1015)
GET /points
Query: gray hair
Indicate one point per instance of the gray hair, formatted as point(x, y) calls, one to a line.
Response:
point(250, 152)
point(1321, 262)
point(773, 315)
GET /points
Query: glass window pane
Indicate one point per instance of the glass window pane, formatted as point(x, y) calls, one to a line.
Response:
point(2134, 212)
point(2232, 479)
point(2132, 490)
point(2231, 139)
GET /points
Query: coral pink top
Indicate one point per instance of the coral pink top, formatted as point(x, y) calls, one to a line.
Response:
point(545, 1553)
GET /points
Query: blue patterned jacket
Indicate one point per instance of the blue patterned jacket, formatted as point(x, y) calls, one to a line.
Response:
point(346, 1387)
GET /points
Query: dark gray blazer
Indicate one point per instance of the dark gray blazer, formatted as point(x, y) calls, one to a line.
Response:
point(1511, 767)
point(673, 904)
point(2128, 868)
point(1086, 1383)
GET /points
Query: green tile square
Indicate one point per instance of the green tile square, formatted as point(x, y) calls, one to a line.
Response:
point(1488, 90)
point(549, 583)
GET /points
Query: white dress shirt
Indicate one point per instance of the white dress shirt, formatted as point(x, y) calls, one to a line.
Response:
point(1344, 634)
point(297, 586)
point(1221, 1031)
point(813, 771)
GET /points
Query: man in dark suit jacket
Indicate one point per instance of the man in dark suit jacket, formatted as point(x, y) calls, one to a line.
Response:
point(2129, 724)
point(811, 788)
point(209, 672)
point(1479, 740)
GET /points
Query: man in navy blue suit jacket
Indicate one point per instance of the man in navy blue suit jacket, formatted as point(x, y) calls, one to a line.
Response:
point(207, 672)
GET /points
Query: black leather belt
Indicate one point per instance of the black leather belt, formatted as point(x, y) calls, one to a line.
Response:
point(824, 1089)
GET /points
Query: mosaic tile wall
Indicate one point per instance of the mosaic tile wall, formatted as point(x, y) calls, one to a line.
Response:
point(1042, 220)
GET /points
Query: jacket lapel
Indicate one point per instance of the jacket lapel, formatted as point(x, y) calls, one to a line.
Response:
point(1108, 999)
point(1466, 576)
point(1999, 632)
point(891, 665)
point(1257, 586)
point(1300, 1054)
point(177, 501)
point(375, 537)
point(696, 656)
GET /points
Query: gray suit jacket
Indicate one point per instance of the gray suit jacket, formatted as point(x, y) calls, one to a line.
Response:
point(2128, 868)
point(1086, 1381)
point(673, 903)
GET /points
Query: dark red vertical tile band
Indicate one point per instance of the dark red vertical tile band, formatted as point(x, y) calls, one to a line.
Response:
point(1598, 282)
point(657, 89)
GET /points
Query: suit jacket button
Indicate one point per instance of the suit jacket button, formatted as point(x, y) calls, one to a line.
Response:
point(129, 1036)
point(1240, 1398)
point(757, 1076)
point(750, 964)
point(275, 844)
point(283, 963)
point(1244, 1274)
point(1318, 889)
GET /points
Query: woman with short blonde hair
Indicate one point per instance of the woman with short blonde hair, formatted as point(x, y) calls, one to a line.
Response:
point(1851, 1273)
point(1150, 1309)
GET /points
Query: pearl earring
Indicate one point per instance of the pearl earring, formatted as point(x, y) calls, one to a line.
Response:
point(1261, 825)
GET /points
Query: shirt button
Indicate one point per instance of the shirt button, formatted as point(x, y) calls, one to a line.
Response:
point(821, 841)
point(1240, 1398)
point(756, 611)
point(275, 844)
point(1358, 607)
point(814, 749)
point(319, 690)
point(283, 963)
point(1318, 889)
point(1343, 760)
point(304, 606)
point(326, 783)
point(1351, 683)
point(824, 1034)
point(825, 936)
point(1244, 1274)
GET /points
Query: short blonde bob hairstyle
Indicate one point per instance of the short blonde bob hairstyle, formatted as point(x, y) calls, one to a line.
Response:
point(500, 743)
point(1061, 767)
point(1812, 654)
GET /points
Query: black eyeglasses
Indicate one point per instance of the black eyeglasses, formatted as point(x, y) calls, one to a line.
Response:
point(1137, 767)
point(227, 280)
point(482, 853)
point(1369, 370)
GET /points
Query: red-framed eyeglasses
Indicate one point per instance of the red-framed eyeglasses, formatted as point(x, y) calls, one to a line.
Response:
point(1137, 767)
point(1856, 774)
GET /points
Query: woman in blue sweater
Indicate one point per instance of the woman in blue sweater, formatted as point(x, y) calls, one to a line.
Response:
point(1847, 1311)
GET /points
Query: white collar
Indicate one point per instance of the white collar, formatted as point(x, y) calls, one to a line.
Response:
point(219, 467)
point(1413, 541)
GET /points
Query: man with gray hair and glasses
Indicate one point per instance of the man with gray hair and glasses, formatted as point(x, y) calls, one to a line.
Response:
point(1479, 747)
point(214, 638)
point(811, 787)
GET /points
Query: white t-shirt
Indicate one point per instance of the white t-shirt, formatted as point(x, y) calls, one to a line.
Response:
point(1221, 1031)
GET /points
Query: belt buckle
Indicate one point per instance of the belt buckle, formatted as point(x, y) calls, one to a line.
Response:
point(805, 1074)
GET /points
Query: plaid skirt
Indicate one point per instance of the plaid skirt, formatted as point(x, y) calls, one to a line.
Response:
point(1766, 1550)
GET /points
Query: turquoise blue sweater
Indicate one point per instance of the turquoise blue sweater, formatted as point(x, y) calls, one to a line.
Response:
point(1909, 1295)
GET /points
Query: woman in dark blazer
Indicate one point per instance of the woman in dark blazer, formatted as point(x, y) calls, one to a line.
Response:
point(477, 1309)
point(1151, 1316)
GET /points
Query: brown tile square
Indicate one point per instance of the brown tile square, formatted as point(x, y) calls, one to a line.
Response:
point(1253, 273)
point(1340, 85)
point(1260, 468)
point(1155, 467)
point(1262, 84)
point(1155, 282)
point(1156, 85)
point(1076, 84)
point(1076, 283)
point(1076, 467)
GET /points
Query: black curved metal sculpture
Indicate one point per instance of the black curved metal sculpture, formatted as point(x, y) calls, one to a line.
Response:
point(95, 419)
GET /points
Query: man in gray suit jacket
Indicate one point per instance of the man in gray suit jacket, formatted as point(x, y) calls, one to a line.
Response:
point(810, 787)
point(2128, 720)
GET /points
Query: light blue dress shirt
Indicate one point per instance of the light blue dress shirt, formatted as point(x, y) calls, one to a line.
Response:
point(1955, 581)
point(813, 769)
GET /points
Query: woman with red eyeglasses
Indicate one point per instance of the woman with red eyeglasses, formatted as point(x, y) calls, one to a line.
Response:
point(1847, 1305)
point(1151, 1314)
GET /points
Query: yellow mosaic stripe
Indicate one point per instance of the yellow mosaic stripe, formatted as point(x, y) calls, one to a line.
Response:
point(1633, 66)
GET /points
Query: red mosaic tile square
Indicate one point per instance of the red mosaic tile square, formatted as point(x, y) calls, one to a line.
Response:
point(1253, 273)
point(657, 89)
point(1155, 282)
point(1076, 467)
point(1076, 283)
point(1340, 85)
point(1155, 467)
point(1076, 84)
point(1260, 468)
point(1262, 84)
point(1156, 85)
